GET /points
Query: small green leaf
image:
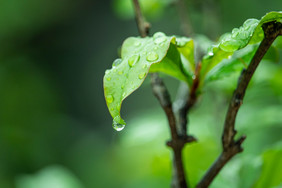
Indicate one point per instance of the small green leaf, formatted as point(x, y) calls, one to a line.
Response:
point(233, 64)
point(222, 53)
point(159, 53)
point(239, 37)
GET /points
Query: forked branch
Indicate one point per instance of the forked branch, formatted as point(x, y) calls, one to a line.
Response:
point(231, 146)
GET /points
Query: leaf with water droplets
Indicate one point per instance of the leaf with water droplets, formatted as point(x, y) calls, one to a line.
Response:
point(159, 53)
point(224, 52)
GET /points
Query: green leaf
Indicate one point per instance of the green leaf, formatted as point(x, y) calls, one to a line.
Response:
point(159, 53)
point(249, 33)
point(271, 170)
point(233, 64)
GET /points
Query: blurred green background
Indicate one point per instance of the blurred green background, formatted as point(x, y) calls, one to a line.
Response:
point(55, 130)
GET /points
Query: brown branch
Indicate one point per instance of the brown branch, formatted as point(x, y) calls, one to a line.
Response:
point(142, 25)
point(162, 94)
point(231, 146)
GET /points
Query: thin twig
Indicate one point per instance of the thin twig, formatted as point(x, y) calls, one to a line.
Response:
point(231, 146)
point(142, 25)
point(162, 94)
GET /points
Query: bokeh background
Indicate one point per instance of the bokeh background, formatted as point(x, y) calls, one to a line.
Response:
point(55, 130)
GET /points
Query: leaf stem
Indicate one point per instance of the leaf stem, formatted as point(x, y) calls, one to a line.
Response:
point(230, 146)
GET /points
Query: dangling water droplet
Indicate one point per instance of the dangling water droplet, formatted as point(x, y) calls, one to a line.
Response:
point(117, 62)
point(120, 72)
point(118, 123)
point(117, 126)
point(110, 98)
point(122, 86)
point(142, 75)
point(112, 109)
point(152, 56)
point(133, 59)
point(108, 78)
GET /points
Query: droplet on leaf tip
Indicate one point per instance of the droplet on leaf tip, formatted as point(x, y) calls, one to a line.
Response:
point(118, 126)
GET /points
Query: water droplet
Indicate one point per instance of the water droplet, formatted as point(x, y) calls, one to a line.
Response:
point(122, 86)
point(118, 123)
point(108, 78)
point(141, 75)
point(133, 59)
point(137, 43)
point(117, 126)
point(107, 72)
point(116, 62)
point(110, 98)
point(114, 70)
point(158, 34)
point(112, 109)
point(144, 66)
point(159, 38)
point(247, 27)
point(123, 95)
point(250, 22)
point(235, 32)
point(120, 72)
point(152, 56)
point(210, 53)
